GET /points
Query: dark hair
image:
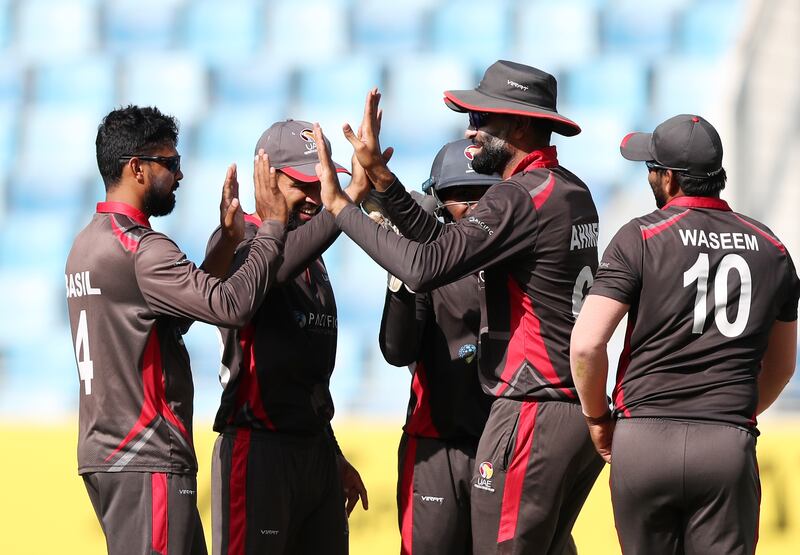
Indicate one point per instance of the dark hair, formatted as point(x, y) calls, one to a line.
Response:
point(131, 130)
point(701, 186)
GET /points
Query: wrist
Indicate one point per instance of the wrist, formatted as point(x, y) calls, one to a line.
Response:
point(381, 177)
point(340, 203)
point(595, 420)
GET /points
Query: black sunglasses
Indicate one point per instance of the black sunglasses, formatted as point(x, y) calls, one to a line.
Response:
point(655, 166)
point(172, 163)
point(478, 119)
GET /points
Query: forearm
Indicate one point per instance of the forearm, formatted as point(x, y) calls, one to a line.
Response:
point(307, 243)
point(404, 212)
point(589, 372)
point(778, 364)
point(219, 258)
point(400, 328)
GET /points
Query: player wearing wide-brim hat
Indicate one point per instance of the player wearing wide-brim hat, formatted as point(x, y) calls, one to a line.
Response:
point(436, 335)
point(711, 299)
point(280, 481)
point(535, 236)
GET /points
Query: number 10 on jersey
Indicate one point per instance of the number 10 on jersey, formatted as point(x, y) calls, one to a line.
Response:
point(699, 273)
point(82, 355)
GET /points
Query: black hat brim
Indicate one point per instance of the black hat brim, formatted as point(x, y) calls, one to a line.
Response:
point(637, 147)
point(475, 101)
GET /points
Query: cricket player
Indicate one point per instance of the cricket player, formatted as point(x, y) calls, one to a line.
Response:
point(711, 298)
point(535, 236)
point(279, 480)
point(129, 291)
point(436, 334)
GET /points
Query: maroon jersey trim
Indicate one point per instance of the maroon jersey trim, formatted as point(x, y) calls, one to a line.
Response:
point(125, 209)
point(253, 219)
point(155, 403)
point(543, 158)
point(526, 343)
point(248, 394)
point(420, 422)
point(515, 476)
point(778, 245)
point(699, 202)
point(237, 531)
point(407, 498)
point(160, 511)
point(541, 193)
point(622, 368)
point(128, 243)
point(652, 230)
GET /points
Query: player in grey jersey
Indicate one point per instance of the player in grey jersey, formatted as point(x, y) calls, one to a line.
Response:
point(711, 298)
point(130, 291)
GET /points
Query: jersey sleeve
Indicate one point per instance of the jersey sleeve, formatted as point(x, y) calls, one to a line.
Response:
point(306, 243)
point(402, 326)
point(619, 275)
point(788, 311)
point(502, 226)
point(410, 218)
point(173, 286)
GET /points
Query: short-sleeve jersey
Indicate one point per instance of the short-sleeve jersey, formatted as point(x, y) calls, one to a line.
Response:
point(705, 284)
point(276, 369)
point(535, 236)
point(129, 293)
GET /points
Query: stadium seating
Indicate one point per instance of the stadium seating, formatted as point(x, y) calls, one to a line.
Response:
point(229, 69)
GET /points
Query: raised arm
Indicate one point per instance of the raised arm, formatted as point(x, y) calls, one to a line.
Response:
point(402, 326)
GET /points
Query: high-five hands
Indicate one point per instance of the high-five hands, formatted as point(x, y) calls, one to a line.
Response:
point(270, 202)
point(231, 215)
point(366, 146)
point(332, 195)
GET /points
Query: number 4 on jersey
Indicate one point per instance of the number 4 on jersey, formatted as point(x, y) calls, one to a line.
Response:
point(85, 365)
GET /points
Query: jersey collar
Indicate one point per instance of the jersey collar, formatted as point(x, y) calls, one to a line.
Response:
point(546, 157)
point(699, 202)
point(125, 209)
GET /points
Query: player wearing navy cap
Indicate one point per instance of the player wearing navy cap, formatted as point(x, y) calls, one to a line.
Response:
point(711, 298)
point(436, 334)
point(535, 236)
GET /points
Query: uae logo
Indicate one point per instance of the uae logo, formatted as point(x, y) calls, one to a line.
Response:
point(301, 319)
point(487, 470)
point(307, 135)
point(469, 152)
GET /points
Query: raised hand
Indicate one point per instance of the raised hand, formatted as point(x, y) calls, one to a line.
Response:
point(366, 144)
point(333, 197)
point(231, 216)
point(270, 202)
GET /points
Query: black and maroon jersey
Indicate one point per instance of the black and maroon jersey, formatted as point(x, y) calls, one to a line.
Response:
point(437, 334)
point(276, 369)
point(705, 285)
point(535, 234)
point(129, 289)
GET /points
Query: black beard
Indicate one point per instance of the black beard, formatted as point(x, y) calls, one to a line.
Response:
point(156, 205)
point(492, 157)
point(294, 221)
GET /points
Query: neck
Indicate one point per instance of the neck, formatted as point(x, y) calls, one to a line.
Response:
point(128, 195)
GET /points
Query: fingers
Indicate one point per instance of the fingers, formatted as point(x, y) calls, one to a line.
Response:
point(352, 500)
point(352, 138)
point(323, 153)
point(387, 154)
point(230, 213)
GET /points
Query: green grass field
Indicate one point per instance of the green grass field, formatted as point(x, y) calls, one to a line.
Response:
point(45, 508)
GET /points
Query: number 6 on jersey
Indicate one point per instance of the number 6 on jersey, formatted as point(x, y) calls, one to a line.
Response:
point(85, 365)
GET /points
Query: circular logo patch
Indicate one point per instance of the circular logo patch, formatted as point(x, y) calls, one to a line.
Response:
point(487, 470)
point(469, 152)
point(307, 135)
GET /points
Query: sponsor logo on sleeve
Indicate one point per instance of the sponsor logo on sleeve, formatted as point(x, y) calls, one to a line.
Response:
point(481, 224)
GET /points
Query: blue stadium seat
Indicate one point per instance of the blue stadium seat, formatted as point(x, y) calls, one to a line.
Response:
point(555, 35)
point(638, 29)
point(140, 25)
point(297, 31)
point(616, 83)
point(5, 24)
point(36, 242)
point(708, 28)
point(9, 137)
point(224, 31)
point(386, 28)
point(482, 31)
point(259, 83)
point(229, 133)
point(341, 86)
point(175, 82)
point(685, 85)
point(57, 30)
point(55, 138)
point(88, 83)
point(12, 83)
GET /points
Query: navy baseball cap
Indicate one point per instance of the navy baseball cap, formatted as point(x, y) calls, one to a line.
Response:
point(686, 143)
point(514, 89)
point(452, 167)
point(291, 149)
